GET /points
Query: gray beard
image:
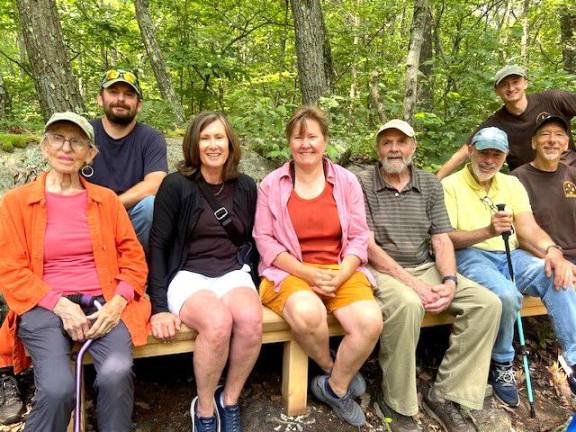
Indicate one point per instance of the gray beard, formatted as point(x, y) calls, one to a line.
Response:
point(394, 167)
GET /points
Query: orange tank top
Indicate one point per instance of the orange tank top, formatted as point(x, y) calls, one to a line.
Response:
point(317, 226)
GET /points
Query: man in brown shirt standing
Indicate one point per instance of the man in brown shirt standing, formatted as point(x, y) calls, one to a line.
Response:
point(551, 185)
point(518, 118)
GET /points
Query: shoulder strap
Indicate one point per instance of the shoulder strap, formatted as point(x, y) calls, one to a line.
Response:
point(221, 214)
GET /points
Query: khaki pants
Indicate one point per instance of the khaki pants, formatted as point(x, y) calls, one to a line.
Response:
point(463, 373)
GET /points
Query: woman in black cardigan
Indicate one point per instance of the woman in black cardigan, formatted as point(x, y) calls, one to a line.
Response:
point(201, 258)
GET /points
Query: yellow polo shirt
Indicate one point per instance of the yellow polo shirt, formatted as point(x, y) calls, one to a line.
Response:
point(468, 203)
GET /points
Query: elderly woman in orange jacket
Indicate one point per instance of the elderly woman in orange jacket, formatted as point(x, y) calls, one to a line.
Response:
point(61, 235)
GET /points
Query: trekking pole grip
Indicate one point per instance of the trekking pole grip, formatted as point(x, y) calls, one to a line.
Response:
point(505, 234)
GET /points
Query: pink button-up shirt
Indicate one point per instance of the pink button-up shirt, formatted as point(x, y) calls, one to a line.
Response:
point(274, 232)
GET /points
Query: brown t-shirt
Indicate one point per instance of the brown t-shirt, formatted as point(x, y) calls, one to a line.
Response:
point(520, 127)
point(553, 200)
point(210, 250)
point(317, 226)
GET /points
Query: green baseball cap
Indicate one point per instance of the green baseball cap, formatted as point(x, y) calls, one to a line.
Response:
point(508, 70)
point(490, 138)
point(72, 117)
point(112, 76)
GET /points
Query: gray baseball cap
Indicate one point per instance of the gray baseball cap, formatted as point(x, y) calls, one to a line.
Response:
point(508, 70)
point(72, 117)
point(490, 138)
point(401, 125)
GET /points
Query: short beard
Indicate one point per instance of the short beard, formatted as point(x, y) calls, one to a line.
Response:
point(395, 167)
point(119, 119)
point(480, 176)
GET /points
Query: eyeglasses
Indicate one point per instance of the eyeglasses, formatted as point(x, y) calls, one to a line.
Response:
point(56, 142)
point(113, 74)
point(487, 201)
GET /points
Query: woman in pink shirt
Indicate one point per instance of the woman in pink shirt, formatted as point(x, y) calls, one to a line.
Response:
point(311, 232)
point(61, 235)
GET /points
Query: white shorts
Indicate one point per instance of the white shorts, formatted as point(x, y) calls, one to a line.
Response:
point(186, 283)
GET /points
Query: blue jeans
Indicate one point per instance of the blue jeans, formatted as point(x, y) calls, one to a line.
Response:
point(141, 217)
point(490, 269)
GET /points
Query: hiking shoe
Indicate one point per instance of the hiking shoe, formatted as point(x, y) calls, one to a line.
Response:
point(446, 412)
point(503, 382)
point(10, 401)
point(204, 424)
point(229, 414)
point(399, 423)
point(357, 386)
point(344, 407)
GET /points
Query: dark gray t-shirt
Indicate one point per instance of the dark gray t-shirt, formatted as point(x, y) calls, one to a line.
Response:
point(121, 163)
point(520, 128)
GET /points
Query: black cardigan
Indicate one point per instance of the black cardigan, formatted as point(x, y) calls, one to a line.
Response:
point(177, 208)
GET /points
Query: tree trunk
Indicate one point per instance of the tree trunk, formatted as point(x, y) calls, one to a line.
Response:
point(56, 86)
point(156, 59)
point(525, 33)
point(375, 97)
point(310, 50)
point(5, 104)
point(421, 12)
point(568, 37)
point(426, 96)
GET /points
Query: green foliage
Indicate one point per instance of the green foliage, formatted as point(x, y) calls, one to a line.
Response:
point(8, 142)
point(238, 56)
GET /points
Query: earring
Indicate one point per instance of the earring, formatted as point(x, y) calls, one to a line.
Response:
point(87, 171)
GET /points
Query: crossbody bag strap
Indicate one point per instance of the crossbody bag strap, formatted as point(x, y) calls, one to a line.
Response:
point(221, 214)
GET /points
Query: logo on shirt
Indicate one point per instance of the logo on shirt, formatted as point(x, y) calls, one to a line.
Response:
point(569, 189)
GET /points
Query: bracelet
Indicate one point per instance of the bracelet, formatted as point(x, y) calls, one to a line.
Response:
point(554, 246)
point(450, 278)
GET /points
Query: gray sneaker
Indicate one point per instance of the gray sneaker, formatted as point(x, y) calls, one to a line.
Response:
point(447, 413)
point(396, 421)
point(344, 407)
point(357, 386)
point(10, 401)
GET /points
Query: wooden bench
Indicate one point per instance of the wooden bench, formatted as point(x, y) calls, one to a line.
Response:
point(295, 361)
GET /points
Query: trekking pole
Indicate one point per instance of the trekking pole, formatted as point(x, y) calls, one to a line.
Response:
point(506, 238)
point(86, 301)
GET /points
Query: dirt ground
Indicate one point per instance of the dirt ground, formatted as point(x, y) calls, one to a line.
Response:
point(165, 387)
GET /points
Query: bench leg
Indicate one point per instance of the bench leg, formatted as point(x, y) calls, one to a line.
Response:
point(294, 379)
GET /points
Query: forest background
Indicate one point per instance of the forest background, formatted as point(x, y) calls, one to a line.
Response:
point(431, 62)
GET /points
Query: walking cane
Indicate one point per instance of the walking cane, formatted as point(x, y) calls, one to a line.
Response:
point(86, 301)
point(506, 238)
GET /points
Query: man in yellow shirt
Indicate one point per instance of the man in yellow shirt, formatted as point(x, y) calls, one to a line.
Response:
point(471, 196)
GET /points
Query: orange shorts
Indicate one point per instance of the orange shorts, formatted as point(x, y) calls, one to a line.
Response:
point(356, 288)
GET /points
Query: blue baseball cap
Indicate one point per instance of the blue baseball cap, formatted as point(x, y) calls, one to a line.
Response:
point(491, 138)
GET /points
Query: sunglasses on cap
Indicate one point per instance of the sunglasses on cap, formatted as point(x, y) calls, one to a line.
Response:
point(113, 74)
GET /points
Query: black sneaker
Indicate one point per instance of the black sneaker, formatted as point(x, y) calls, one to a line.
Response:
point(396, 422)
point(503, 381)
point(10, 401)
point(203, 424)
point(446, 412)
point(229, 414)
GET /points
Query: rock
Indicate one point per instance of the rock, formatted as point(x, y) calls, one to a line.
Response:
point(491, 419)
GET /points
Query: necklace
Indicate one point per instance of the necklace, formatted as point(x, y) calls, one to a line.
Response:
point(219, 190)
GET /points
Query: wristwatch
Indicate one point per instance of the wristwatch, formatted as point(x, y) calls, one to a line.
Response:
point(554, 246)
point(451, 278)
